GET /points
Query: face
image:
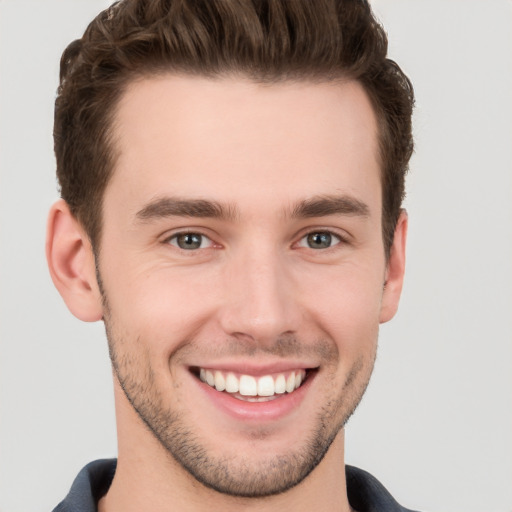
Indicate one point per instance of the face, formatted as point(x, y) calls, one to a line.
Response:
point(243, 272)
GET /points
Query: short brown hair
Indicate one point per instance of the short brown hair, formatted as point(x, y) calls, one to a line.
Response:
point(265, 40)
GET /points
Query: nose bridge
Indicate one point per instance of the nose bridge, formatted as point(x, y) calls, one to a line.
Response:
point(259, 295)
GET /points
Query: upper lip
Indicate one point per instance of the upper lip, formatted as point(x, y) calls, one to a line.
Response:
point(251, 368)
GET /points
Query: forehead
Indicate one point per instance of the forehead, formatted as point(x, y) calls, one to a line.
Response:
point(190, 136)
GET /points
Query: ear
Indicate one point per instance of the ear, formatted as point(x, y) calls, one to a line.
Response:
point(395, 269)
point(71, 263)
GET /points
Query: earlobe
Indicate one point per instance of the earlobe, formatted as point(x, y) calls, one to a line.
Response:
point(71, 263)
point(395, 271)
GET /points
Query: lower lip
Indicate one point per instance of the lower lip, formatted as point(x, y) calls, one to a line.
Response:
point(257, 411)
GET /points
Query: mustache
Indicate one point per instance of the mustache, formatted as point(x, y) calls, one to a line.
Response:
point(285, 346)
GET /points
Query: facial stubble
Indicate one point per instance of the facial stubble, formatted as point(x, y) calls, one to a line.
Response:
point(236, 476)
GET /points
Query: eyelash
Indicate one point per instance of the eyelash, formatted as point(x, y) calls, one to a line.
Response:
point(332, 237)
point(176, 236)
point(303, 241)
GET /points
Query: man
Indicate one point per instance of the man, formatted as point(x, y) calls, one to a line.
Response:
point(231, 177)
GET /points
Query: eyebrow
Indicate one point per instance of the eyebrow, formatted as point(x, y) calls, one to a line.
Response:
point(176, 207)
point(318, 206)
point(330, 205)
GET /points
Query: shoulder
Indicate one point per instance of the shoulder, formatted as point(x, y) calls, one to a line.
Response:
point(367, 494)
point(88, 487)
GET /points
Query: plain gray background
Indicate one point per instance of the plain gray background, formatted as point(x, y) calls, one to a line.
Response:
point(436, 424)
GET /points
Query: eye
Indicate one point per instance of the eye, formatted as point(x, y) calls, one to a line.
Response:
point(319, 240)
point(190, 241)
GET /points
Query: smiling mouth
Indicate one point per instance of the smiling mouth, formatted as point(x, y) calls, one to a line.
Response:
point(250, 388)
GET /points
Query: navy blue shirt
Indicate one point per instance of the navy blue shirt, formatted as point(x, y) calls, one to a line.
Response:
point(365, 493)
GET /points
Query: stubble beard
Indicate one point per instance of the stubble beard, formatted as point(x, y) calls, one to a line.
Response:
point(233, 476)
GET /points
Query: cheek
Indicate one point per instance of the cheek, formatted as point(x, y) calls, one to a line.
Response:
point(161, 304)
point(348, 308)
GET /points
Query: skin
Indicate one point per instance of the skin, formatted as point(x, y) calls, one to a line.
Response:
point(256, 293)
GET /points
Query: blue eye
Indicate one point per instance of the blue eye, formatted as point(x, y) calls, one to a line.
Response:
point(319, 240)
point(190, 241)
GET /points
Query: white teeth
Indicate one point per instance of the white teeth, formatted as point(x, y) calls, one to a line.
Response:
point(280, 385)
point(249, 386)
point(210, 379)
point(256, 398)
point(231, 383)
point(220, 382)
point(290, 382)
point(266, 386)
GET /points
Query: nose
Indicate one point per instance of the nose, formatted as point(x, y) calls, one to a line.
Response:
point(261, 301)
